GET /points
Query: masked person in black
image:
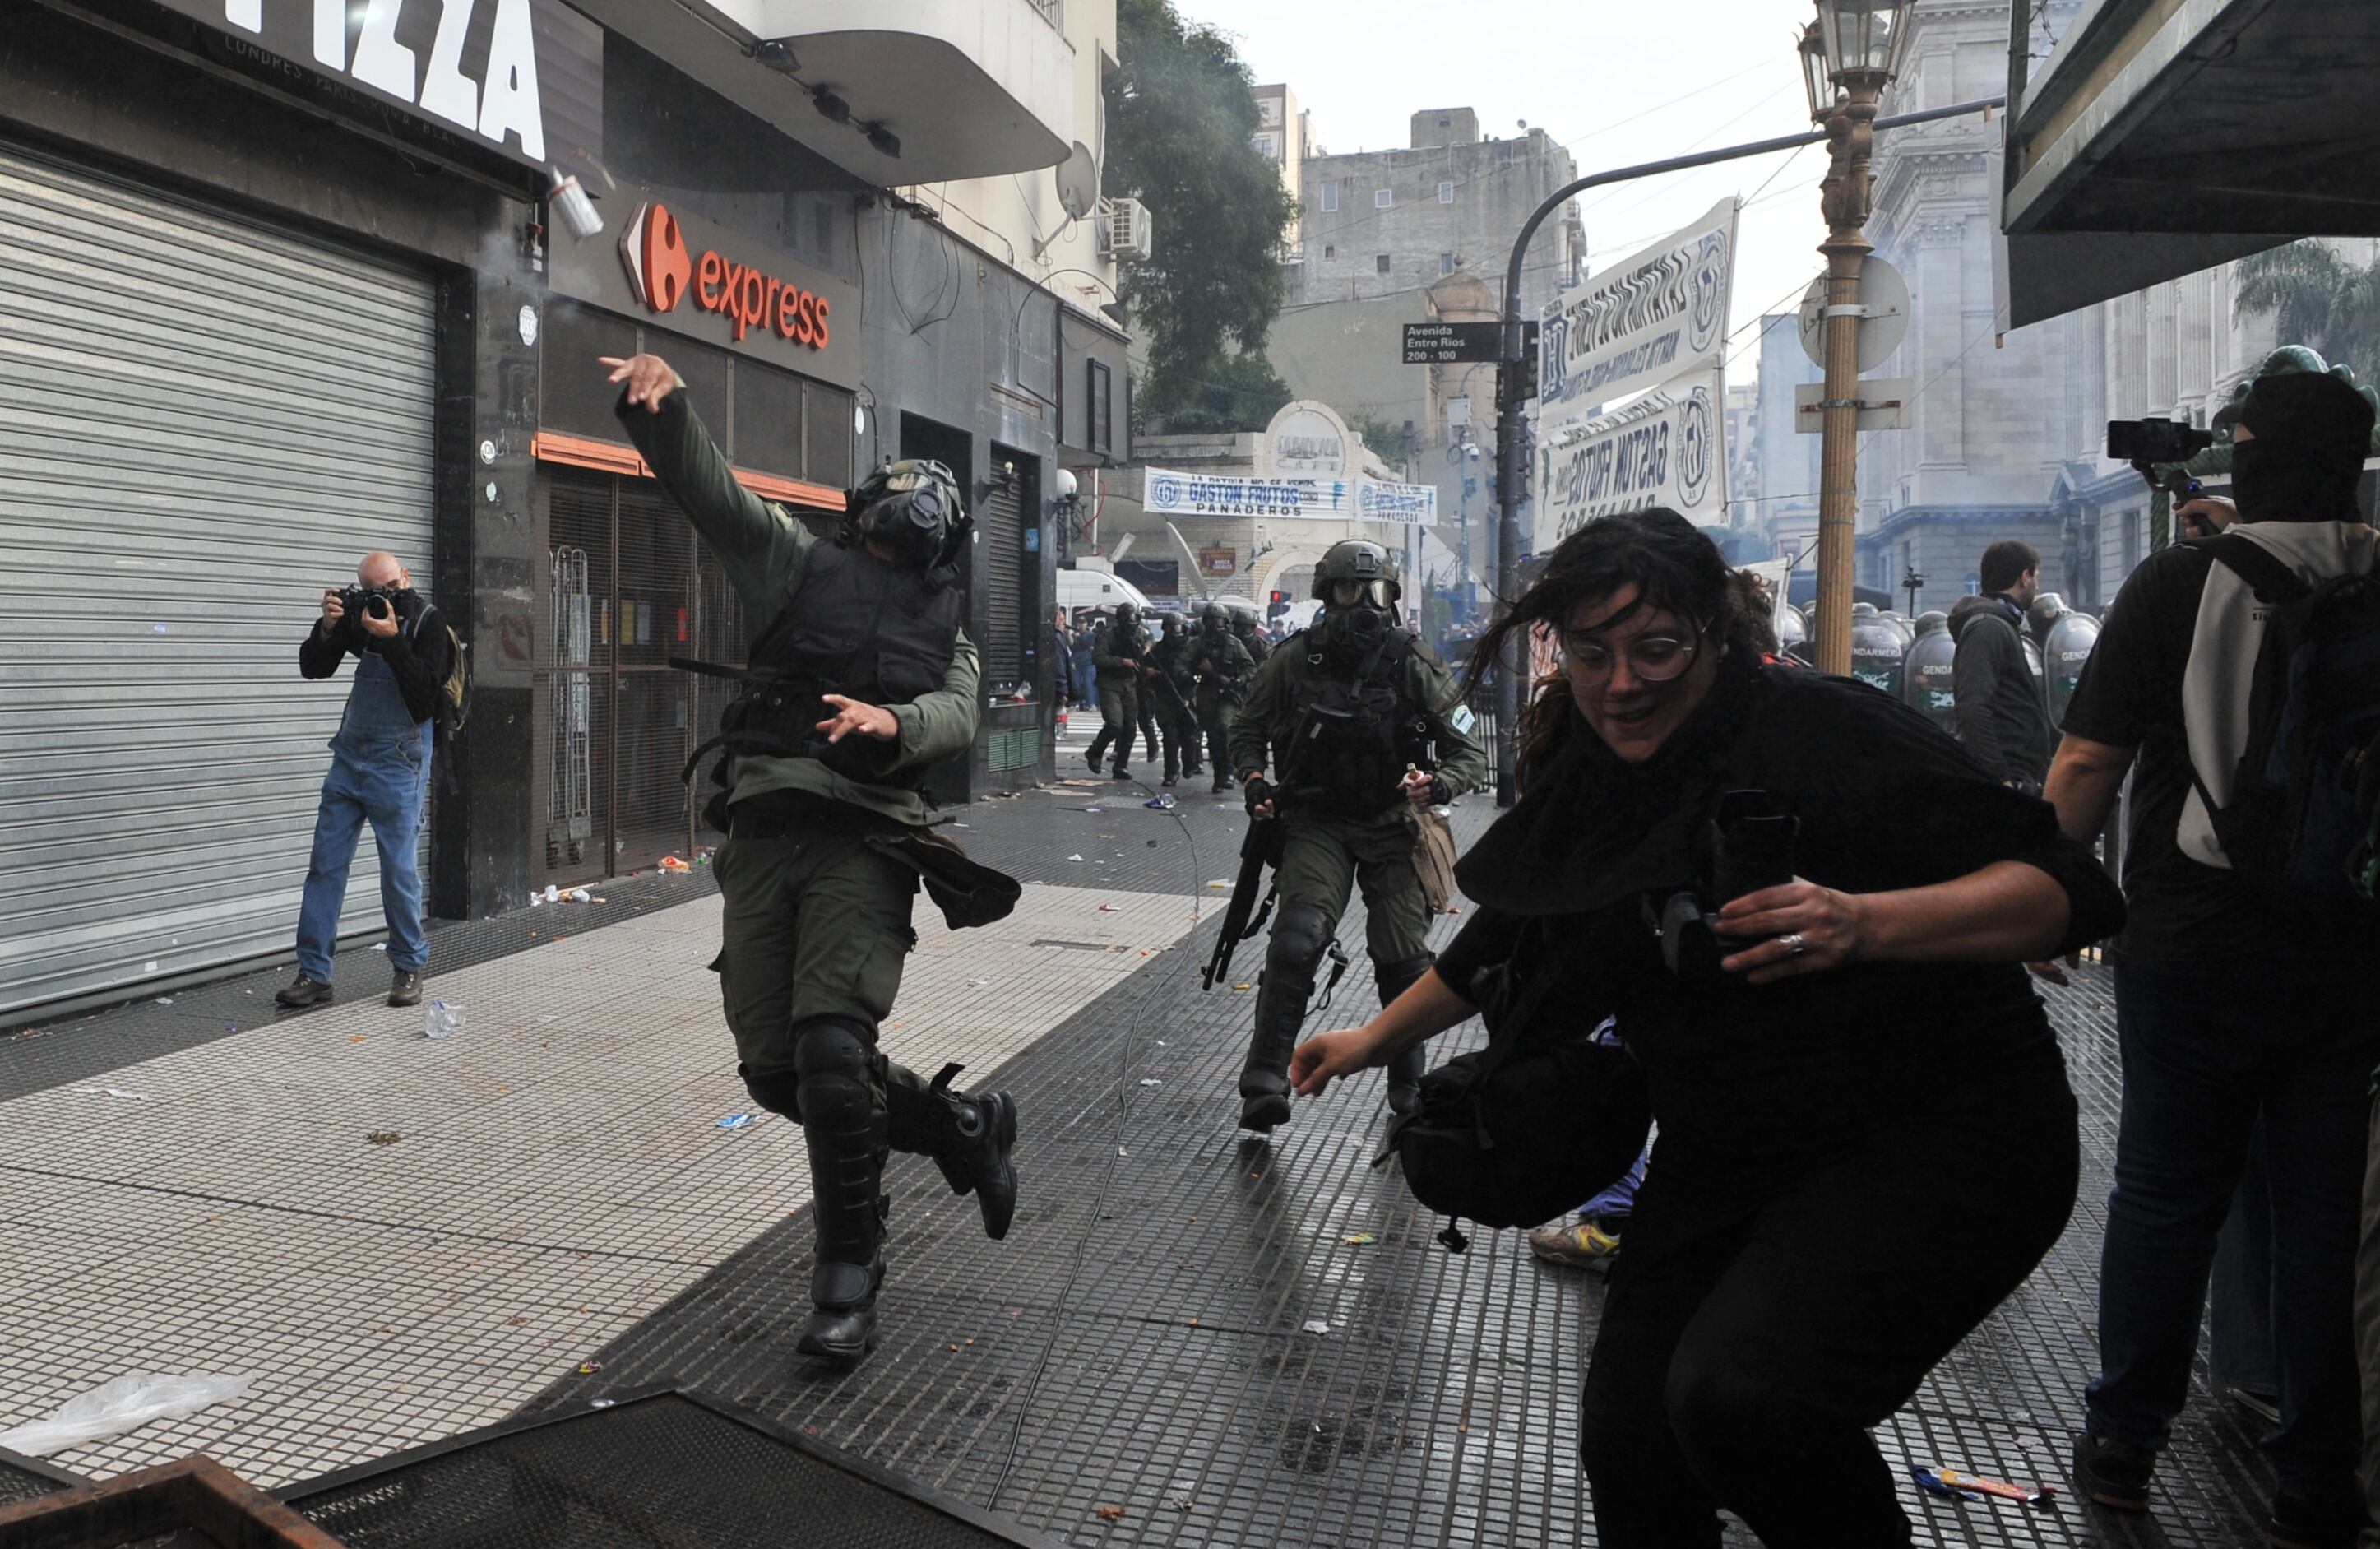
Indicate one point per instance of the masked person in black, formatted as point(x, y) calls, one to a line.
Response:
point(1171, 686)
point(1793, 1049)
point(860, 677)
point(1360, 727)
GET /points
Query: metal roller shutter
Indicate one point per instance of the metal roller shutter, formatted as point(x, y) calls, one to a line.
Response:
point(1003, 556)
point(212, 422)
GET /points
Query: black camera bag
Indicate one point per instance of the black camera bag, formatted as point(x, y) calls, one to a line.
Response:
point(1517, 1133)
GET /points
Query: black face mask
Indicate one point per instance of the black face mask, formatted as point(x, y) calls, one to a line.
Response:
point(2274, 481)
point(1352, 629)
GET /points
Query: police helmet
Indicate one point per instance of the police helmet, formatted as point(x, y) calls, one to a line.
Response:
point(1243, 623)
point(1354, 574)
point(1214, 619)
point(2047, 608)
point(911, 511)
point(1127, 615)
point(1173, 626)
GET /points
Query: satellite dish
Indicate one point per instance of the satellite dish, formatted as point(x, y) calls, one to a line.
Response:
point(1078, 181)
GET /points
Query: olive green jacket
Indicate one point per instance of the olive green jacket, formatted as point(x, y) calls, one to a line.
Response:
point(1117, 648)
point(1269, 716)
point(765, 549)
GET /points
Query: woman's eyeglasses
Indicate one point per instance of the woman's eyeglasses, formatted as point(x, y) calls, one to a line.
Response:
point(1651, 658)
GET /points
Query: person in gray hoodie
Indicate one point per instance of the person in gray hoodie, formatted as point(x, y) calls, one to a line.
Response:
point(2001, 719)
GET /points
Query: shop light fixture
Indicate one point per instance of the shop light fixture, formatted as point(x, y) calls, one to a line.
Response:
point(884, 139)
point(775, 53)
point(831, 106)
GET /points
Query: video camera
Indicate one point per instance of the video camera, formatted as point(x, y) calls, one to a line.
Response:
point(2139, 442)
point(1751, 849)
point(377, 602)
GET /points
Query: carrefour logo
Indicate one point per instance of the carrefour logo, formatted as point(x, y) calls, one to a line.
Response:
point(662, 268)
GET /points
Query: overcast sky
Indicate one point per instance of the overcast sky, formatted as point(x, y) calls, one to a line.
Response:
point(1617, 83)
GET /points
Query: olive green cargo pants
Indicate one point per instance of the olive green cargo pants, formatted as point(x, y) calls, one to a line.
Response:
point(1323, 858)
point(815, 925)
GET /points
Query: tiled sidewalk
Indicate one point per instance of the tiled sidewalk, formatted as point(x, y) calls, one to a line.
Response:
point(402, 1238)
point(1145, 1339)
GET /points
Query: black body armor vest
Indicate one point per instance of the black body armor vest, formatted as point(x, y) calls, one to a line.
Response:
point(1356, 735)
point(857, 626)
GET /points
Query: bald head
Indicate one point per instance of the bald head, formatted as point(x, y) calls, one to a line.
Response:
point(381, 569)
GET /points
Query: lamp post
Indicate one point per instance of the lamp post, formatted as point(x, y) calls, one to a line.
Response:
point(1849, 55)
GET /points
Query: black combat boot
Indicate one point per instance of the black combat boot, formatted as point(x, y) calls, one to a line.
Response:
point(842, 1111)
point(1301, 934)
point(1281, 1011)
point(1404, 1069)
point(969, 1138)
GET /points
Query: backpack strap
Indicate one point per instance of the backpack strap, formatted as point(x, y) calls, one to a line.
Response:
point(2266, 573)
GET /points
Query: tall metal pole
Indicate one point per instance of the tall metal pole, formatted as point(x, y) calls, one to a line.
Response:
point(1511, 385)
point(1845, 199)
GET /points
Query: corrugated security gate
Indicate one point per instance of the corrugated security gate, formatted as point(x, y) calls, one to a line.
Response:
point(213, 422)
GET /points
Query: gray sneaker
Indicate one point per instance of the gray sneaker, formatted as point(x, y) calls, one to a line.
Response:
point(303, 992)
point(405, 988)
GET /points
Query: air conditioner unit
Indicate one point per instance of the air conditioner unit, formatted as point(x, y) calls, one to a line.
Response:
point(1126, 231)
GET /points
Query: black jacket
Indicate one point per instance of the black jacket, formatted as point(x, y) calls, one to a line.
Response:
point(1747, 1073)
point(2001, 718)
point(419, 654)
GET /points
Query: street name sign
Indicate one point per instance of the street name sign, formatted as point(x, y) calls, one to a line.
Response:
point(1455, 343)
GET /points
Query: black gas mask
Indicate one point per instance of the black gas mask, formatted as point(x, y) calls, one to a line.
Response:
point(910, 512)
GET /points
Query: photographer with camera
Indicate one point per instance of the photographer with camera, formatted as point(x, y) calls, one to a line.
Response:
point(1838, 1057)
point(380, 768)
point(2229, 682)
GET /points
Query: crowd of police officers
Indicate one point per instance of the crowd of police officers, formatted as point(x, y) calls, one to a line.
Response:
point(1910, 659)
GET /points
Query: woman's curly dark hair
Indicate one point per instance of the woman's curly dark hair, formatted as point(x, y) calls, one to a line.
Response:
point(1673, 562)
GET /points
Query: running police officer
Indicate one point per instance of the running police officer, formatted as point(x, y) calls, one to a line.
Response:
point(1121, 654)
point(859, 679)
point(1171, 686)
point(1353, 710)
point(1224, 667)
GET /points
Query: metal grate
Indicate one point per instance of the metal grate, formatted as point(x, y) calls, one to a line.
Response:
point(23, 1479)
point(659, 1469)
point(1020, 749)
point(1003, 556)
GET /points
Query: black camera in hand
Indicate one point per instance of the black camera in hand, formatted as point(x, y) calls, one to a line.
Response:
point(369, 601)
point(1751, 848)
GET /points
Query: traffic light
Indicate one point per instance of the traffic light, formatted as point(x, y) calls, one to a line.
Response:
point(1281, 596)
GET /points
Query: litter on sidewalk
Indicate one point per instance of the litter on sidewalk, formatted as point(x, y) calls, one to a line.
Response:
point(119, 1405)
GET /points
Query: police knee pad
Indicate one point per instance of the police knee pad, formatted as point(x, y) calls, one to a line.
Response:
point(841, 1073)
point(1394, 978)
point(775, 1091)
point(1301, 934)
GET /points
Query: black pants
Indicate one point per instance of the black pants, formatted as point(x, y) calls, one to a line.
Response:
point(1759, 1325)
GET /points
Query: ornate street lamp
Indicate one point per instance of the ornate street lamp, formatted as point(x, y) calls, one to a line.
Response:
point(1860, 46)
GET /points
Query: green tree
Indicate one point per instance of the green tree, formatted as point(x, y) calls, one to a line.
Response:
point(1181, 128)
point(1236, 392)
point(2319, 299)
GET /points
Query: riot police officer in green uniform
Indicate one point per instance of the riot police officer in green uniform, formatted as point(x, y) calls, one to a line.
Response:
point(1244, 625)
point(859, 679)
point(1224, 667)
point(1364, 725)
point(1172, 687)
point(1123, 650)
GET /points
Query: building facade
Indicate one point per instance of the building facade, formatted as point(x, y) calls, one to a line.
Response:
point(302, 296)
point(1285, 138)
point(1380, 223)
point(2006, 430)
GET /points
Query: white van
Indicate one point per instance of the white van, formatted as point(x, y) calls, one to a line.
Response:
point(1096, 589)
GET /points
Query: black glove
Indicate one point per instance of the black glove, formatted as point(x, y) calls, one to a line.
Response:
point(1256, 791)
point(1440, 793)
